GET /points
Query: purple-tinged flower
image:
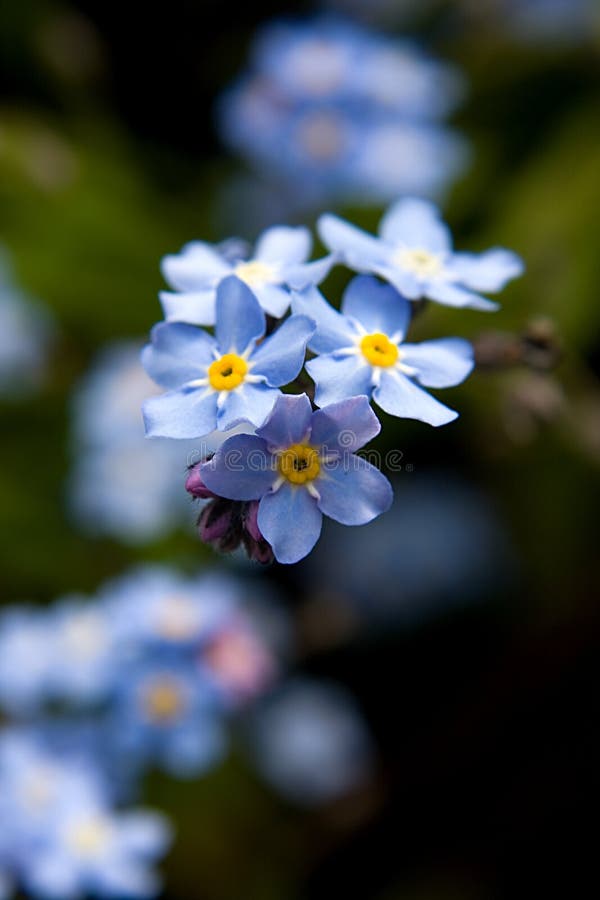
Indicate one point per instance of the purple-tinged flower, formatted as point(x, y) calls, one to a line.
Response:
point(300, 465)
point(221, 381)
point(279, 263)
point(362, 351)
point(414, 253)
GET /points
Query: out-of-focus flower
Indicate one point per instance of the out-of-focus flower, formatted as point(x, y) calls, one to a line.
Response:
point(25, 659)
point(279, 263)
point(414, 253)
point(122, 485)
point(333, 110)
point(309, 741)
point(362, 351)
point(222, 381)
point(301, 465)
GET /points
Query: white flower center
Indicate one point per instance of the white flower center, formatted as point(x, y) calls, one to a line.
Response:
point(255, 272)
point(419, 262)
point(89, 837)
point(177, 619)
point(322, 137)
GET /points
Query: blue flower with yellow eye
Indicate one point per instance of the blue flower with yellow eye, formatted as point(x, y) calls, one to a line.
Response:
point(362, 351)
point(414, 253)
point(301, 465)
point(221, 381)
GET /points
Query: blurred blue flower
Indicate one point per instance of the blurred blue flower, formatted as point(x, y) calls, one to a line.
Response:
point(414, 253)
point(25, 659)
point(301, 465)
point(279, 262)
point(222, 381)
point(362, 351)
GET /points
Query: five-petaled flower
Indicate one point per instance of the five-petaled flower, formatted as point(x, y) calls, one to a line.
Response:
point(221, 381)
point(279, 263)
point(414, 253)
point(301, 465)
point(362, 352)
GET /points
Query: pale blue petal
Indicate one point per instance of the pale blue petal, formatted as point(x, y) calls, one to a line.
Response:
point(248, 403)
point(377, 306)
point(352, 491)
point(282, 244)
point(241, 469)
point(404, 282)
point(280, 357)
point(334, 331)
point(300, 276)
point(359, 249)
point(273, 298)
point(198, 265)
point(290, 521)
point(195, 307)
point(416, 223)
point(240, 320)
point(345, 426)
point(441, 363)
point(143, 833)
point(289, 423)
point(178, 353)
point(454, 295)
point(339, 378)
point(186, 413)
point(399, 396)
point(488, 271)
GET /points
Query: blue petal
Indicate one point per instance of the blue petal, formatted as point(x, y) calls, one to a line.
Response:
point(248, 403)
point(240, 320)
point(186, 413)
point(280, 357)
point(405, 282)
point(416, 223)
point(197, 307)
point(178, 353)
point(198, 265)
point(241, 469)
point(300, 276)
point(377, 306)
point(337, 379)
point(441, 363)
point(454, 295)
point(352, 491)
point(345, 426)
point(334, 331)
point(359, 249)
point(273, 298)
point(488, 271)
point(399, 396)
point(289, 423)
point(284, 244)
point(290, 521)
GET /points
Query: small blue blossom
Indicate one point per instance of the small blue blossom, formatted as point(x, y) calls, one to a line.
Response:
point(414, 253)
point(279, 263)
point(362, 351)
point(301, 465)
point(25, 659)
point(222, 381)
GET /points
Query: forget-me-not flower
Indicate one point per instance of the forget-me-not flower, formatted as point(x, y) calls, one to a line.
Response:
point(414, 253)
point(221, 381)
point(278, 264)
point(362, 351)
point(301, 465)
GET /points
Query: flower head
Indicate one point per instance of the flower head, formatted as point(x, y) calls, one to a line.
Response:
point(221, 381)
point(279, 263)
point(362, 351)
point(300, 466)
point(414, 253)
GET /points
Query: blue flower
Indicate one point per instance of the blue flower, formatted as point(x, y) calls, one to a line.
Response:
point(301, 465)
point(222, 381)
point(279, 263)
point(25, 659)
point(414, 253)
point(362, 352)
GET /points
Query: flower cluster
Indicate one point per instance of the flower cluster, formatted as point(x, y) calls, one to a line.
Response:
point(344, 112)
point(144, 674)
point(295, 464)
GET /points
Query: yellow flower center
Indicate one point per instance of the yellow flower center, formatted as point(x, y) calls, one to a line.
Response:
point(228, 372)
point(163, 701)
point(299, 463)
point(254, 272)
point(421, 263)
point(379, 350)
point(89, 837)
